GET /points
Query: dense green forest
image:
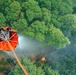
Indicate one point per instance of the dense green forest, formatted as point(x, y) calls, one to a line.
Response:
point(51, 22)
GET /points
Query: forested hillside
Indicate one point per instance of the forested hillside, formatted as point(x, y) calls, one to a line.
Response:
point(51, 22)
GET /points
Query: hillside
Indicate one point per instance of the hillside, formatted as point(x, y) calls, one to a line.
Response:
point(51, 23)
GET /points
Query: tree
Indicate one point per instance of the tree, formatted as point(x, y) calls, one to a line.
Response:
point(46, 15)
point(39, 26)
point(33, 69)
point(38, 29)
point(29, 66)
point(62, 6)
point(59, 8)
point(45, 4)
point(48, 69)
point(68, 24)
point(55, 18)
point(56, 37)
point(13, 11)
point(2, 20)
point(39, 37)
point(55, 4)
point(67, 64)
point(49, 34)
point(32, 10)
point(65, 8)
point(4, 4)
point(20, 24)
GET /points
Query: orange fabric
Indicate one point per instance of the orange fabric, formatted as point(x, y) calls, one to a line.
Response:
point(13, 41)
point(5, 28)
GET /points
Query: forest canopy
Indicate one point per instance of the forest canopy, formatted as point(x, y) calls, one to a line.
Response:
point(50, 22)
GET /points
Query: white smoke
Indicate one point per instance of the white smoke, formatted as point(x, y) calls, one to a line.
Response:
point(26, 46)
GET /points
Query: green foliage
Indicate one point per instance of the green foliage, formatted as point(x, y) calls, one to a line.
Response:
point(2, 20)
point(20, 24)
point(62, 6)
point(39, 36)
point(39, 26)
point(55, 4)
point(48, 70)
point(50, 36)
point(4, 4)
point(66, 65)
point(37, 30)
point(4, 65)
point(55, 19)
point(45, 4)
point(56, 37)
point(46, 15)
point(48, 21)
point(32, 69)
point(29, 66)
point(65, 8)
point(34, 18)
point(32, 10)
point(13, 11)
point(68, 24)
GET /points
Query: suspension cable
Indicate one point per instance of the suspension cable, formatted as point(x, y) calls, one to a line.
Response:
point(16, 57)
